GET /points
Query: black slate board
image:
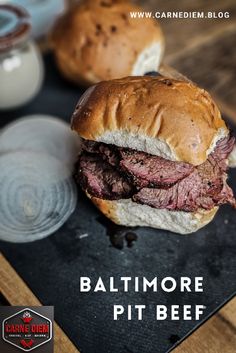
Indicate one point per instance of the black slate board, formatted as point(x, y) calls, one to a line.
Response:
point(52, 267)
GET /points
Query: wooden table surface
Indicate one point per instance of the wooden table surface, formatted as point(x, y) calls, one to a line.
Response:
point(205, 51)
point(202, 49)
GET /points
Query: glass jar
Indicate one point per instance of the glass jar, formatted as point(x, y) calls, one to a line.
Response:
point(43, 13)
point(21, 66)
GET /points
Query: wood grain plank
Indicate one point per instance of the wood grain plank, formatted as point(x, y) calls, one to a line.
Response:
point(17, 293)
point(202, 49)
point(181, 34)
point(217, 335)
point(212, 66)
point(228, 312)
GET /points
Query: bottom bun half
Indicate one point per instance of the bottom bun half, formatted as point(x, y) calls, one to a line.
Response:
point(128, 213)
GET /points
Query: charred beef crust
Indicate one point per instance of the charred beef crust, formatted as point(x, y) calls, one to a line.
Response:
point(152, 171)
point(204, 188)
point(110, 172)
point(188, 195)
point(106, 152)
point(144, 170)
point(100, 179)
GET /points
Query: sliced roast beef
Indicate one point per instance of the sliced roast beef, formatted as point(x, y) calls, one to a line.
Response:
point(224, 147)
point(111, 172)
point(152, 171)
point(204, 188)
point(222, 150)
point(107, 152)
point(90, 146)
point(101, 180)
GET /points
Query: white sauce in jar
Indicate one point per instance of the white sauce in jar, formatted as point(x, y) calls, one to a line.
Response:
point(21, 66)
point(21, 75)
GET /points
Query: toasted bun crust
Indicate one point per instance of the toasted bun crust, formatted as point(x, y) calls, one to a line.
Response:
point(165, 117)
point(98, 40)
point(129, 213)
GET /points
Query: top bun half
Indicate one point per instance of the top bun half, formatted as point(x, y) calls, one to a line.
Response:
point(172, 119)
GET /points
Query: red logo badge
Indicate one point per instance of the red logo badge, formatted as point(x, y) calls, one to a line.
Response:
point(27, 330)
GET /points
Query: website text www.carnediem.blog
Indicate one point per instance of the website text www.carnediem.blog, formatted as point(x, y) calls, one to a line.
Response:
point(179, 14)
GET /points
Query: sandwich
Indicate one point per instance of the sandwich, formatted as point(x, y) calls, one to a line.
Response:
point(155, 152)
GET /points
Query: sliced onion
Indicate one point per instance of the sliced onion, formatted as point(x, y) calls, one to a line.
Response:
point(37, 196)
point(42, 133)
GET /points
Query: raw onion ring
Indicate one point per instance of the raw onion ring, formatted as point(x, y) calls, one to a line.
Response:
point(37, 196)
point(42, 133)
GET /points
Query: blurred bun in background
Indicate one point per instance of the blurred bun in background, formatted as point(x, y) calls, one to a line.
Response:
point(98, 40)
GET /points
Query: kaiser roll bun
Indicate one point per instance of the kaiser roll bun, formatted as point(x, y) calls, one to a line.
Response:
point(172, 119)
point(128, 213)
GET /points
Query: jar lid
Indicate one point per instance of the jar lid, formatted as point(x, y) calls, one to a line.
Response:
point(14, 26)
